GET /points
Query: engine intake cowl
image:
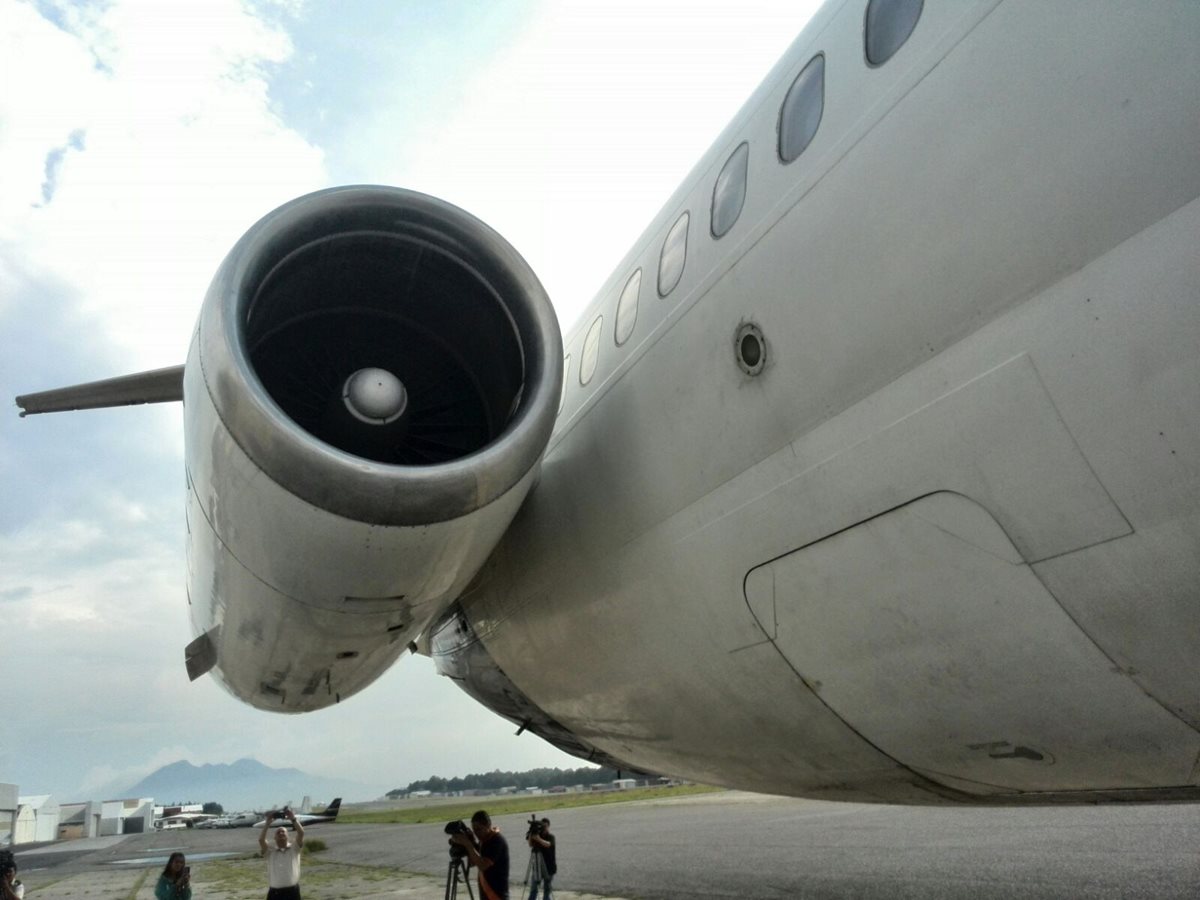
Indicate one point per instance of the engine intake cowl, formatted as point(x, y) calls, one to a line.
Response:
point(371, 387)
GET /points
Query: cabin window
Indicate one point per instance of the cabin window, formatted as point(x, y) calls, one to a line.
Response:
point(802, 107)
point(627, 308)
point(674, 252)
point(889, 24)
point(729, 193)
point(591, 352)
point(562, 397)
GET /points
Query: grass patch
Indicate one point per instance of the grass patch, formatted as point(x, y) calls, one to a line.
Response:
point(132, 895)
point(316, 845)
point(233, 875)
point(29, 889)
point(500, 806)
point(246, 877)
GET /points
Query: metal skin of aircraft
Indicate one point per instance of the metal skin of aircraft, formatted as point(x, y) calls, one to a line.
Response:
point(875, 470)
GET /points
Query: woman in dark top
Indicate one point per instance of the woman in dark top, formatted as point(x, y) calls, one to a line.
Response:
point(175, 881)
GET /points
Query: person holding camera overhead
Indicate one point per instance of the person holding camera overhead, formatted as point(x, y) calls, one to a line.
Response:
point(175, 882)
point(491, 859)
point(543, 864)
point(283, 857)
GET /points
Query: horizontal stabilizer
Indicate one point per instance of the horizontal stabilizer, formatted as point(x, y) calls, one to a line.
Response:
point(157, 386)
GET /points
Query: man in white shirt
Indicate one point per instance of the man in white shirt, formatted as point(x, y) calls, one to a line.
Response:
point(283, 858)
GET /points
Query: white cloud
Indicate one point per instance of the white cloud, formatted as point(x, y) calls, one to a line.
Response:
point(167, 148)
point(575, 137)
point(50, 84)
point(111, 779)
point(87, 572)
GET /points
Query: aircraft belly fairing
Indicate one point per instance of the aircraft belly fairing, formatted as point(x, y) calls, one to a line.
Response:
point(461, 656)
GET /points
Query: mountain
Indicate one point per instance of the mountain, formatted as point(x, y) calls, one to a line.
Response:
point(244, 784)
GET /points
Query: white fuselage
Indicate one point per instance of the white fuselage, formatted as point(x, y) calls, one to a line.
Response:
point(947, 541)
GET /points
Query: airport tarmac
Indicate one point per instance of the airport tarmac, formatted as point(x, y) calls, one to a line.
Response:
point(718, 846)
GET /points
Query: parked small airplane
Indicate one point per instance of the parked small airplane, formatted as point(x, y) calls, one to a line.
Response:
point(240, 820)
point(184, 820)
point(329, 814)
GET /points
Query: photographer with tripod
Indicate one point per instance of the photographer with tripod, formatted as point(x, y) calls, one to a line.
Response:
point(542, 864)
point(491, 857)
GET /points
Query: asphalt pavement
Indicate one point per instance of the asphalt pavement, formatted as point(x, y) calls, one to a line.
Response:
point(745, 845)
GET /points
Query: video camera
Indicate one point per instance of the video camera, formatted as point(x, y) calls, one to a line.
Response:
point(535, 827)
point(458, 826)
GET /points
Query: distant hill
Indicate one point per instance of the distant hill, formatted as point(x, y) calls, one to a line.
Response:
point(244, 784)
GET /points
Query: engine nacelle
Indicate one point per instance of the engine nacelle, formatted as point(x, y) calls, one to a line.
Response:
point(371, 386)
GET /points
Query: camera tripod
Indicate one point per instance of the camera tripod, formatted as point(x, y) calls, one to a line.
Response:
point(457, 871)
point(536, 868)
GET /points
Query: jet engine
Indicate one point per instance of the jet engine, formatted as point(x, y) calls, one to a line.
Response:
point(371, 386)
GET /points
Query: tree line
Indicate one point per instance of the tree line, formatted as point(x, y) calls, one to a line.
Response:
point(540, 778)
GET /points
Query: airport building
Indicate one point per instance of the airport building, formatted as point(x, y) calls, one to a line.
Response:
point(8, 813)
point(24, 820)
point(130, 816)
point(79, 820)
point(177, 809)
point(37, 820)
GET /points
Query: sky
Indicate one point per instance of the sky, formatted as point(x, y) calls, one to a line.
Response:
point(138, 140)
